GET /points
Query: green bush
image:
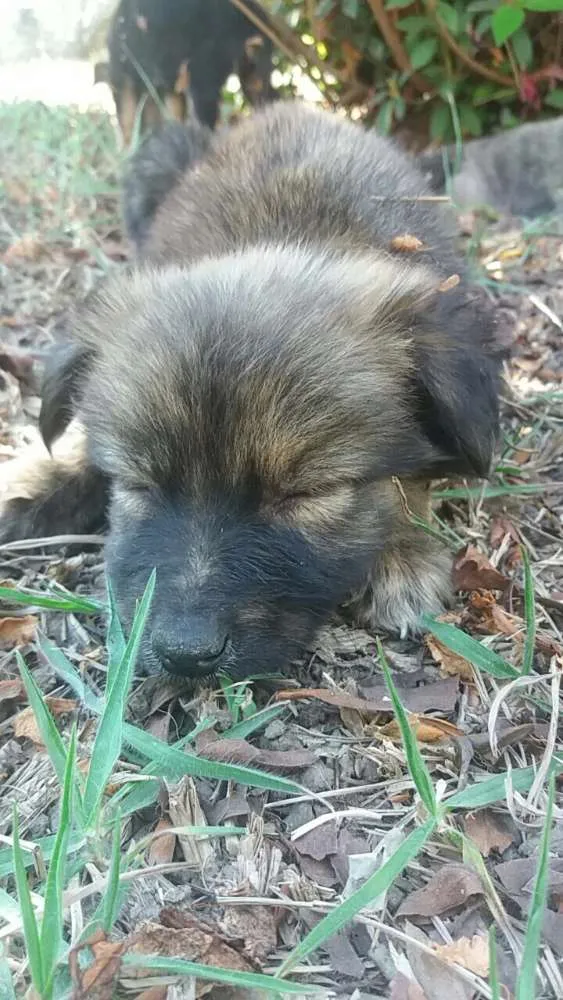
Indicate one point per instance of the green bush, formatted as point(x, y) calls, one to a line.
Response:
point(437, 69)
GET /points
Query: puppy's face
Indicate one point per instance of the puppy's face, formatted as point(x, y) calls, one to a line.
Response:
point(249, 414)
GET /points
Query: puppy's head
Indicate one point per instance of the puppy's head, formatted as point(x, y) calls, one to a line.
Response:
point(249, 413)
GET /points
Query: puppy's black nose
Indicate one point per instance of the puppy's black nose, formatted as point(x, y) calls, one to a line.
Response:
point(192, 652)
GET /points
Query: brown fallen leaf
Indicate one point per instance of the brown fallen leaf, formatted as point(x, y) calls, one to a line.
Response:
point(406, 243)
point(255, 926)
point(403, 989)
point(161, 850)
point(449, 283)
point(98, 980)
point(426, 729)
point(182, 935)
point(154, 993)
point(440, 696)
point(488, 830)
point(17, 631)
point(438, 979)
point(11, 689)
point(473, 571)
point(450, 662)
point(184, 809)
point(337, 699)
point(242, 752)
point(26, 248)
point(471, 953)
point(448, 888)
point(25, 723)
point(491, 617)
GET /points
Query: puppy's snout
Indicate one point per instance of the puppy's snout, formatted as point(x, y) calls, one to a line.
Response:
point(196, 649)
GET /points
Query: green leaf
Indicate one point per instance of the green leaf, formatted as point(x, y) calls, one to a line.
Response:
point(555, 99)
point(486, 793)
point(505, 21)
point(373, 887)
point(384, 118)
point(350, 8)
point(393, 4)
point(414, 24)
point(243, 980)
point(30, 931)
point(473, 650)
point(450, 17)
point(543, 6)
point(417, 768)
point(423, 52)
point(523, 48)
point(111, 900)
point(493, 965)
point(527, 974)
point(529, 614)
point(470, 120)
point(440, 122)
point(52, 940)
point(35, 597)
point(45, 722)
point(109, 735)
point(115, 641)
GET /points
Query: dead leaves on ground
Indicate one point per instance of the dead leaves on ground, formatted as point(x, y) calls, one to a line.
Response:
point(452, 886)
point(473, 571)
point(17, 631)
point(25, 722)
point(488, 830)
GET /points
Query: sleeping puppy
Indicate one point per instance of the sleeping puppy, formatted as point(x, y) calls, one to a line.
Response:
point(260, 404)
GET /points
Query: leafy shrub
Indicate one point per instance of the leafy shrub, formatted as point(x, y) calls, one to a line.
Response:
point(437, 69)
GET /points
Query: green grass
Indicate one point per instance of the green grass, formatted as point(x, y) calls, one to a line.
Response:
point(91, 824)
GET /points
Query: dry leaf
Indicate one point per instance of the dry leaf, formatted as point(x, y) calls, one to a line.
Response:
point(255, 926)
point(448, 888)
point(450, 662)
point(161, 850)
point(440, 696)
point(449, 283)
point(436, 978)
point(26, 248)
point(403, 989)
point(426, 730)
point(182, 935)
point(242, 752)
point(185, 810)
point(17, 631)
point(11, 688)
point(98, 980)
point(473, 571)
point(406, 243)
point(25, 723)
point(154, 993)
point(337, 699)
point(488, 831)
point(471, 953)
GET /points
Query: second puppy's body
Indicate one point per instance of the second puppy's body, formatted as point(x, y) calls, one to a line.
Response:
point(292, 343)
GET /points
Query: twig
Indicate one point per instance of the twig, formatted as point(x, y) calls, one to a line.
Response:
point(462, 55)
point(286, 40)
point(393, 41)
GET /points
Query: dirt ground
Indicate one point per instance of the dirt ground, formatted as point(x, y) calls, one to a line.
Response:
point(249, 900)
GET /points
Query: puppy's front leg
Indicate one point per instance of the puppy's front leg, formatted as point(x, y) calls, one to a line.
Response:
point(412, 574)
point(44, 495)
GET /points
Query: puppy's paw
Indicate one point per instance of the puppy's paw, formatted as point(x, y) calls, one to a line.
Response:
point(404, 586)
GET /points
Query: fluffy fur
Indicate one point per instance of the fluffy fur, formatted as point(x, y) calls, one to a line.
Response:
point(254, 388)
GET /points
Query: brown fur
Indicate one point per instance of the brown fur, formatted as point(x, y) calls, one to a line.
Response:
point(271, 391)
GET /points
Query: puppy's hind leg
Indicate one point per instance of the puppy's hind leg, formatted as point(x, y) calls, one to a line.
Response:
point(43, 496)
point(412, 575)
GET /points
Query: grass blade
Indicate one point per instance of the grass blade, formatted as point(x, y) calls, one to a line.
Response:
point(45, 722)
point(376, 884)
point(167, 761)
point(485, 793)
point(257, 721)
point(526, 982)
point(80, 605)
point(464, 645)
point(109, 737)
point(112, 899)
point(529, 614)
point(243, 980)
point(52, 942)
point(115, 640)
point(494, 984)
point(489, 492)
point(30, 931)
point(418, 770)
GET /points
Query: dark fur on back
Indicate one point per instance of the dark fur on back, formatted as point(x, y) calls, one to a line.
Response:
point(254, 387)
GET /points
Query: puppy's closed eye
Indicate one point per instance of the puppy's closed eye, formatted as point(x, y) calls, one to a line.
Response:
point(316, 506)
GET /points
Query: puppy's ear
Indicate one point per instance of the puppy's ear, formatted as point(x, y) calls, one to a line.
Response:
point(64, 372)
point(457, 382)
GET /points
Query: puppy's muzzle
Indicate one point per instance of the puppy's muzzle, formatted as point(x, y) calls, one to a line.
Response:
point(194, 649)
